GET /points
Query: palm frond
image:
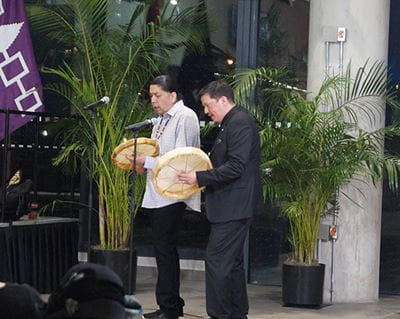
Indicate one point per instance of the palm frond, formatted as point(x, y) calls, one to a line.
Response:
point(313, 146)
point(189, 28)
point(116, 61)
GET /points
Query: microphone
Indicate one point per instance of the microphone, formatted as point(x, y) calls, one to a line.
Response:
point(140, 125)
point(92, 106)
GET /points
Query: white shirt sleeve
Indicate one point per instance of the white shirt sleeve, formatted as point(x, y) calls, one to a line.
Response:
point(149, 162)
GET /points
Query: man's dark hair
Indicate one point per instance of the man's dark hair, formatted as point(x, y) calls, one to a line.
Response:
point(217, 89)
point(167, 84)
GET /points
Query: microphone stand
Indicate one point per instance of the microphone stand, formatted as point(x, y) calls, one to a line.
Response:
point(85, 256)
point(132, 212)
point(90, 198)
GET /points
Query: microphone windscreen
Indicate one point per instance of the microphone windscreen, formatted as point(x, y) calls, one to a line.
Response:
point(105, 99)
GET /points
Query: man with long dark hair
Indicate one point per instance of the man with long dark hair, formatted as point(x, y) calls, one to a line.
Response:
point(176, 126)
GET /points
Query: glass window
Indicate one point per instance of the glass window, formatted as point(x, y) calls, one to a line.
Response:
point(283, 36)
point(282, 41)
point(389, 279)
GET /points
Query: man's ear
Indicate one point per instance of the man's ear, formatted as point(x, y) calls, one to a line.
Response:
point(224, 100)
point(175, 96)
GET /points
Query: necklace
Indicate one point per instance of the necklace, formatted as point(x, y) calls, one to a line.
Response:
point(160, 130)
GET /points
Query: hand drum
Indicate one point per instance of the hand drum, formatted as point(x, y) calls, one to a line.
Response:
point(168, 166)
point(123, 153)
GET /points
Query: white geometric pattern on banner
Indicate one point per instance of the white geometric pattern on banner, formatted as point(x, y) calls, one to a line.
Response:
point(11, 32)
point(32, 108)
point(17, 78)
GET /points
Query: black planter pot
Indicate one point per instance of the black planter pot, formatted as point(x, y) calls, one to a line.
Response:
point(118, 261)
point(303, 285)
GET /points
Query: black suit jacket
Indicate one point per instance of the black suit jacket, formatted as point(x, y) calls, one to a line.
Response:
point(233, 186)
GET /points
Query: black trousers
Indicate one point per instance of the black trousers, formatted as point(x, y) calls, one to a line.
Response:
point(226, 291)
point(165, 225)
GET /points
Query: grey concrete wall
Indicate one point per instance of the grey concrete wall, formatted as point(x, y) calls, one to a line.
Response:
point(355, 265)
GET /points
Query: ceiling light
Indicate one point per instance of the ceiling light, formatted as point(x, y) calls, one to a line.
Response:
point(230, 61)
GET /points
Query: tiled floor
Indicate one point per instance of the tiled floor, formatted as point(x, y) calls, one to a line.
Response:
point(265, 303)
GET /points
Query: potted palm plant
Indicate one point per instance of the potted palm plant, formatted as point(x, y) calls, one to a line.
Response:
point(311, 148)
point(115, 61)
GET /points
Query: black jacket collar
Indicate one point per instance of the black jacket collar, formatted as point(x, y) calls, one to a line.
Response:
point(229, 115)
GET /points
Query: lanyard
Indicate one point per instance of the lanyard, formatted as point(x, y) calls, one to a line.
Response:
point(160, 129)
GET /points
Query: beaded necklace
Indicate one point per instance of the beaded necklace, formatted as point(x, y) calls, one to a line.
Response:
point(160, 130)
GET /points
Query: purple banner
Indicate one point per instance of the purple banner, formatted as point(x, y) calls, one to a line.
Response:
point(20, 85)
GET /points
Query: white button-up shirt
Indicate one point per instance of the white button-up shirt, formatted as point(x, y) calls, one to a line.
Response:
point(179, 127)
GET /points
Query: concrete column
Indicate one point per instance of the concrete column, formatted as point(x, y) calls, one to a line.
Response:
point(354, 268)
point(247, 33)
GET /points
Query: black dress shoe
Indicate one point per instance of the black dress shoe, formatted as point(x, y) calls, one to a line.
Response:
point(159, 314)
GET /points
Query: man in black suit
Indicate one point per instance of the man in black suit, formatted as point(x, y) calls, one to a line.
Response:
point(233, 190)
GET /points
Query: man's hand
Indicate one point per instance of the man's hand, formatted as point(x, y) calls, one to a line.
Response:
point(187, 177)
point(139, 168)
point(140, 159)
